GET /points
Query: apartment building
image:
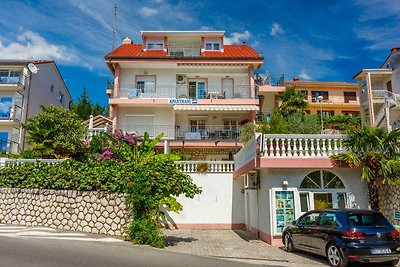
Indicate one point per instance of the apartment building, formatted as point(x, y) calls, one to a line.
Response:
point(336, 98)
point(188, 85)
point(197, 91)
point(22, 90)
point(380, 93)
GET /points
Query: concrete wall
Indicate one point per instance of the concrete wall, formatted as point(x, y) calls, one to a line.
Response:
point(219, 206)
point(92, 212)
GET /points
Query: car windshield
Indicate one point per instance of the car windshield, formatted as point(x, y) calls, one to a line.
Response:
point(367, 220)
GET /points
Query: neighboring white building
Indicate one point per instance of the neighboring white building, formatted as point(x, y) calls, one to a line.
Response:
point(21, 94)
point(380, 93)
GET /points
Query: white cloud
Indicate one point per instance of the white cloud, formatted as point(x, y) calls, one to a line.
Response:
point(32, 45)
point(237, 37)
point(148, 11)
point(276, 29)
point(304, 76)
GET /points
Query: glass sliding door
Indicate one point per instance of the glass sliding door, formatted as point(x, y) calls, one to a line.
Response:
point(197, 90)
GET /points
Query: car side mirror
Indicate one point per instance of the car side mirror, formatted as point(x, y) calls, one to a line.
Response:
point(294, 222)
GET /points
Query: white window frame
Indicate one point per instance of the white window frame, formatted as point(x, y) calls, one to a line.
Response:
point(212, 43)
point(155, 44)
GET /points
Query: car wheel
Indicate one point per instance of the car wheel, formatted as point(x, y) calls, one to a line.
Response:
point(335, 256)
point(392, 263)
point(288, 243)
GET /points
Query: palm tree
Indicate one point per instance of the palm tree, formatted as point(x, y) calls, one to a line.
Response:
point(293, 101)
point(376, 152)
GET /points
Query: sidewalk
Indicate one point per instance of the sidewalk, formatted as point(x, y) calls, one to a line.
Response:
point(236, 245)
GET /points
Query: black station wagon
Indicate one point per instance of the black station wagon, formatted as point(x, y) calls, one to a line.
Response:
point(344, 235)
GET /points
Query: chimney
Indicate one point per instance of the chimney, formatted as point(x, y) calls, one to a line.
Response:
point(296, 79)
point(127, 40)
point(395, 48)
point(244, 43)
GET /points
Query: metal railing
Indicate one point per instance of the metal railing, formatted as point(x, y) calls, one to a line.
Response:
point(7, 161)
point(15, 114)
point(209, 166)
point(272, 79)
point(174, 50)
point(302, 145)
point(186, 132)
point(338, 100)
point(185, 91)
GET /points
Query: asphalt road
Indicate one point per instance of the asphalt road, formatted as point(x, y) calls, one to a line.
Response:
point(27, 252)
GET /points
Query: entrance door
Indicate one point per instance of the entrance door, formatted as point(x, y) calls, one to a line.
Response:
point(227, 87)
point(197, 89)
point(389, 86)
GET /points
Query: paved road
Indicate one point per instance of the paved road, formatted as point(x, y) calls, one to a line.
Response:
point(32, 252)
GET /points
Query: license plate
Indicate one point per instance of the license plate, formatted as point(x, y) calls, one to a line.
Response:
point(381, 251)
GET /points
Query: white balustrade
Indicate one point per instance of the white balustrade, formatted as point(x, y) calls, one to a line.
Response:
point(213, 166)
point(302, 146)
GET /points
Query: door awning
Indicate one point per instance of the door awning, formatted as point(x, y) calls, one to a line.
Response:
point(217, 107)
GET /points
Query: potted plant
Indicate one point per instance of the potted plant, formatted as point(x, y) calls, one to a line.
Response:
point(202, 167)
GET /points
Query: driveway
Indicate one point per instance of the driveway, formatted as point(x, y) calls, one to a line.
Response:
point(240, 246)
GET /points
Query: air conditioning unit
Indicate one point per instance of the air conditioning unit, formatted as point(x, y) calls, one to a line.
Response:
point(251, 180)
point(180, 78)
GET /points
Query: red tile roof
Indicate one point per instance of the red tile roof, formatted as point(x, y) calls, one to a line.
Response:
point(242, 51)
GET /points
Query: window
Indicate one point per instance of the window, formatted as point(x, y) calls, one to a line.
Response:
point(365, 219)
point(321, 180)
point(213, 45)
point(155, 44)
point(197, 125)
point(3, 142)
point(61, 98)
point(328, 219)
point(349, 96)
point(309, 219)
point(305, 93)
point(52, 88)
point(316, 94)
point(327, 113)
point(146, 84)
point(351, 113)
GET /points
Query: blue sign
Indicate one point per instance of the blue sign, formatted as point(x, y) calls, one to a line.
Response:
point(182, 101)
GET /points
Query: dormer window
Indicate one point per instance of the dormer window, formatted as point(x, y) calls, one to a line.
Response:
point(212, 45)
point(153, 44)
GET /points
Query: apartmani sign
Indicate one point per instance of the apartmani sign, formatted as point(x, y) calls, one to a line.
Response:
point(182, 101)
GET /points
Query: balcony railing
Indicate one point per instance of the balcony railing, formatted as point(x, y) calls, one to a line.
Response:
point(14, 114)
point(185, 91)
point(16, 78)
point(174, 50)
point(302, 146)
point(272, 79)
point(212, 166)
point(8, 146)
point(335, 100)
point(186, 132)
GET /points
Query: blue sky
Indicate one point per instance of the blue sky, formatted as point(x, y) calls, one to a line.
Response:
point(326, 40)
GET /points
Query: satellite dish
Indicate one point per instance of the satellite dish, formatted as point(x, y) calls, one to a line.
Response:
point(32, 67)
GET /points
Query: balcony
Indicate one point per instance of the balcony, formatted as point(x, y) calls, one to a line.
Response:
point(8, 146)
point(213, 166)
point(333, 100)
point(12, 115)
point(11, 78)
point(186, 132)
point(301, 145)
point(174, 50)
point(271, 79)
point(186, 92)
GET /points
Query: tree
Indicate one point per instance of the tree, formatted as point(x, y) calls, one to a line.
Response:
point(55, 132)
point(84, 107)
point(293, 101)
point(376, 152)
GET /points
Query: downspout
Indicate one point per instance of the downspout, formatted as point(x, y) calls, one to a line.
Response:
point(25, 110)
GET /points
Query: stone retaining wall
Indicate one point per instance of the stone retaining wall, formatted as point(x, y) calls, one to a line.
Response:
point(93, 212)
point(389, 201)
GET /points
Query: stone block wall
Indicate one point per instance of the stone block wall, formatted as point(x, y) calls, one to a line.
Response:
point(92, 212)
point(389, 201)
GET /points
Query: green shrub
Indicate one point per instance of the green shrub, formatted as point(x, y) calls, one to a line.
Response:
point(145, 230)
